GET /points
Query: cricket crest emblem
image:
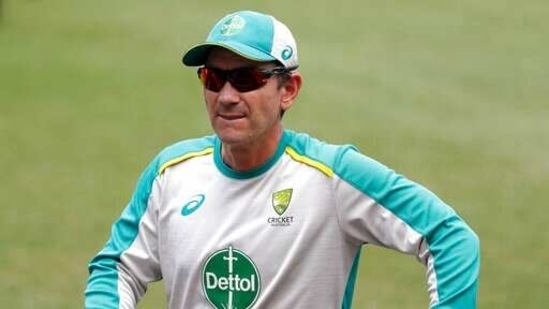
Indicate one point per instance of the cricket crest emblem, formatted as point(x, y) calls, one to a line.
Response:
point(281, 200)
point(233, 25)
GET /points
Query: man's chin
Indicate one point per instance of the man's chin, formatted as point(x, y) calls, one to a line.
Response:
point(233, 137)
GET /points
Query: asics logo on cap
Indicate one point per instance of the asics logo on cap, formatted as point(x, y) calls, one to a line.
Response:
point(287, 52)
point(233, 25)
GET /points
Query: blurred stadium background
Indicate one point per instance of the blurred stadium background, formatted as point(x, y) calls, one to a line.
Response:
point(452, 94)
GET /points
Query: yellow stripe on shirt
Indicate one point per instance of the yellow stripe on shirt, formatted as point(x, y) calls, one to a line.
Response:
point(185, 157)
point(313, 163)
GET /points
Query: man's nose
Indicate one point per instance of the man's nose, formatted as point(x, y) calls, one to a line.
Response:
point(228, 95)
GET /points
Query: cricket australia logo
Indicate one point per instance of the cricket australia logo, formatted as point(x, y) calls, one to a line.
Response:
point(230, 280)
point(233, 25)
point(280, 202)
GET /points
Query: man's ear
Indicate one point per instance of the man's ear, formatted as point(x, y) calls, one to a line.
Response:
point(290, 90)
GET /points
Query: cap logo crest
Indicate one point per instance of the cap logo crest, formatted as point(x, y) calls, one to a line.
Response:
point(233, 25)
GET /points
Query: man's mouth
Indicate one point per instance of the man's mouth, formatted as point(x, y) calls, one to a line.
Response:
point(231, 116)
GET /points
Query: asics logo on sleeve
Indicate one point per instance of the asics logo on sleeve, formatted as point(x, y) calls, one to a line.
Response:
point(192, 205)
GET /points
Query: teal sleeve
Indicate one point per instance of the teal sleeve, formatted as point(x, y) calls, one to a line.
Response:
point(102, 287)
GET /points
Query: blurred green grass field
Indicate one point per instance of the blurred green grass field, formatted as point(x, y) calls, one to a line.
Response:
point(452, 94)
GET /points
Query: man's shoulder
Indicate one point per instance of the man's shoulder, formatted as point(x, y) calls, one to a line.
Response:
point(346, 161)
point(317, 149)
point(183, 150)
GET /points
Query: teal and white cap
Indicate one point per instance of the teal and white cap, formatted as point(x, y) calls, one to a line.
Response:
point(250, 34)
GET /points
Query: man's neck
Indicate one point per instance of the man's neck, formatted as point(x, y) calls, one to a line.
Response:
point(245, 157)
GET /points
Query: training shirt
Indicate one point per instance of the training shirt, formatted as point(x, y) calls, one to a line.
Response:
point(287, 234)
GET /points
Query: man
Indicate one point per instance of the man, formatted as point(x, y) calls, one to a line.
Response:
point(257, 216)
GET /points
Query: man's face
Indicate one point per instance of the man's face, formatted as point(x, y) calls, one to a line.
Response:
point(243, 118)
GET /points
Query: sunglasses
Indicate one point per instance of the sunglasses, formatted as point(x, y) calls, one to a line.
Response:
point(242, 79)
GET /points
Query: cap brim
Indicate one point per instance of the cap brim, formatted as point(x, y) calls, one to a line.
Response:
point(196, 56)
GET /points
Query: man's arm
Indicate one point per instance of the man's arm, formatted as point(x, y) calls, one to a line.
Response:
point(119, 273)
point(378, 206)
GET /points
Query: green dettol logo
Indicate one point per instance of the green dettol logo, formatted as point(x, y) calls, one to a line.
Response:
point(230, 280)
